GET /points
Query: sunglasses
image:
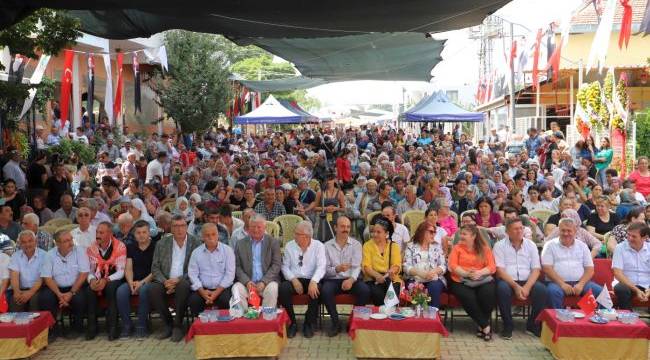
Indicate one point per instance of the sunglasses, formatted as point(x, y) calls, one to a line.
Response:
point(300, 258)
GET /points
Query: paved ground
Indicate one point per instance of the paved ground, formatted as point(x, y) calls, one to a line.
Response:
point(461, 344)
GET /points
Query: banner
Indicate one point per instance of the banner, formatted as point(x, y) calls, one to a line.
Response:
point(36, 79)
point(117, 104)
point(538, 42)
point(108, 101)
point(90, 99)
point(599, 47)
point(618, 146)
point(137, 97)
point(66, 88)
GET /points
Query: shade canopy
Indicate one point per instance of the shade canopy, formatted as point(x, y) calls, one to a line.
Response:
point(438, 108)
point(307, 117)
point(379, 56)
point(286, 84)
point(271, 112)
point(123, 19)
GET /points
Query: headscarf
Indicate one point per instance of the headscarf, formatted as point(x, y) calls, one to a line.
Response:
point(187, 213)
point(144, 215)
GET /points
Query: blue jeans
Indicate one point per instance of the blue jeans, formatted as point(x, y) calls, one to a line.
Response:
point(434, 288)
point(124, 305)
point(556, 294)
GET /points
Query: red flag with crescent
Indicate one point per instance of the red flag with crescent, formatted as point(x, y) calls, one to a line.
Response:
point(626, 24)
point(66, 87)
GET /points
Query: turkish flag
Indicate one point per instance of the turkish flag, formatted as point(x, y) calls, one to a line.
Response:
point(588, 303)
point(117, 105)
point(66, 87)
point(536, 59)
point(626, 24)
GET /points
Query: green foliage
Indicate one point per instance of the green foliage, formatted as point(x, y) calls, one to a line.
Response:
point(67, 147)
point(56, 31)
point(195, 90)
point(643, 133)
point(22, 144)
point(44, 94)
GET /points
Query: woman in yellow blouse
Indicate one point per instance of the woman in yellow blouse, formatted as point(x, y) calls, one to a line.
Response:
point(382, 261)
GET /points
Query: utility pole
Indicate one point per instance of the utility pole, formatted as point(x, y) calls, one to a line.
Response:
point(512, 81)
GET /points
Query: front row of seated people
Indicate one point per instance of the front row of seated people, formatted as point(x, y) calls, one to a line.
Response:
point(204, 273)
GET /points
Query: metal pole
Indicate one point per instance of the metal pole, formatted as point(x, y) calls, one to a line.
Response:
point(512, 81)
point(571, 121)
point(580, 73)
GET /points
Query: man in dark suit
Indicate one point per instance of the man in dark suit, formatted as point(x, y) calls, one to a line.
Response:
point(169, 269)
point(258, 262)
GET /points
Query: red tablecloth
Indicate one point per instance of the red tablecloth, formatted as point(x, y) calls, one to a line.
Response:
point(413, 324)
point(239, 326)
point(29, 331)
point(585, 328)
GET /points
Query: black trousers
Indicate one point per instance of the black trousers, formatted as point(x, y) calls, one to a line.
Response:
point(285, 294)
point(92, 298)
point(31, 305)
point(624, 296)
point(48, 301)
point(478, 301)
point(537, 298)
point(197, 303)
point(158, 300)
point(378, 291)
point(332, 287)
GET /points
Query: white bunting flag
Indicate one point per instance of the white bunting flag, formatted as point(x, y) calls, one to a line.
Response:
point(605, 299)
point(391, 298)
point(600, 44)
point(108, 97)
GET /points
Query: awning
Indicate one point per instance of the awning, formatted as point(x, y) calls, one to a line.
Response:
point(271, 112)
point(438, 108)
point(379, 56)
point(286, 84)
point(123, 19)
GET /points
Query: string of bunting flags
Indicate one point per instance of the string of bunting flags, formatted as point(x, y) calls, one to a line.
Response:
point(112, 103)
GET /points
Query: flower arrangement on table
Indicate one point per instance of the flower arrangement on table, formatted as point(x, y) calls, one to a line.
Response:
point(416, 294)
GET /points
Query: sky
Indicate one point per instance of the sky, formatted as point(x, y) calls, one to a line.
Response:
point(459, 68)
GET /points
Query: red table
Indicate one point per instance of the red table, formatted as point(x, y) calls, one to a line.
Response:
point(240, 337)
point(22, 341)
point(583, 339)
point(412, 338)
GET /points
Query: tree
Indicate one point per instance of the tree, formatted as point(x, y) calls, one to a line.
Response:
point(195, 90)
point(262, 67)
point(43, 32)
point(643, 133)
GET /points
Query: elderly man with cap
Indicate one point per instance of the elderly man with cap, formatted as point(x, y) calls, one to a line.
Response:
point(24, 272)
point(110, 148)
point(126, 149)
point(64, 272)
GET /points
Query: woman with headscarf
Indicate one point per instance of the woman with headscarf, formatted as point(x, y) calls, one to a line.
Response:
point(581, 234)
point(183, 208)
point(139, 212)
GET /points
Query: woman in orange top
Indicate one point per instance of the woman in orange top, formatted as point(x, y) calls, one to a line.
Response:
point(471, 264)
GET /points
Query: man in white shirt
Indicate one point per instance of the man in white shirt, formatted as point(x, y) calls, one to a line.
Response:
point(241, 232)
point(126, 149)
point(169, 269)
point(401, 234)
point(155, 167)
point(79, 136)
point(411, 201)
point(25, 273)
point(64, 273)
point(84, 235)
point(631, 266)
point(568, 266)
point(518, 269)
point(303, 266)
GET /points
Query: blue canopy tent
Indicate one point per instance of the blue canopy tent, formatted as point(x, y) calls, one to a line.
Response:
point(438, 108)
point(271, 112)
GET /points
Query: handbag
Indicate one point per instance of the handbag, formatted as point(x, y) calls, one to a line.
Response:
point(476, 283)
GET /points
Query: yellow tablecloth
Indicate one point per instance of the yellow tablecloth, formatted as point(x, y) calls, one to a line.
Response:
point(589, 348)
point(394, 344)
point(239, 345)
point(18, 349)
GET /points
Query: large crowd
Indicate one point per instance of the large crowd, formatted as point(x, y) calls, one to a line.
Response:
point(183, 222)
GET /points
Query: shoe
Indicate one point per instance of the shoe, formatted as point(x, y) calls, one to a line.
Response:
point(113, 334)
point(91, 332)
point(534, 332)
point(334, 330)
point(487, 336)
point(126, 332)
point(506, 334)
point(177, 334)
point(292, 330)
point(141, 333)
point(307, 331)
point(52, 335)
point(165, 334)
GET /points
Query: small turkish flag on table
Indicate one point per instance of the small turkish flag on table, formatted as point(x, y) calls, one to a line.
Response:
point(588, 303)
